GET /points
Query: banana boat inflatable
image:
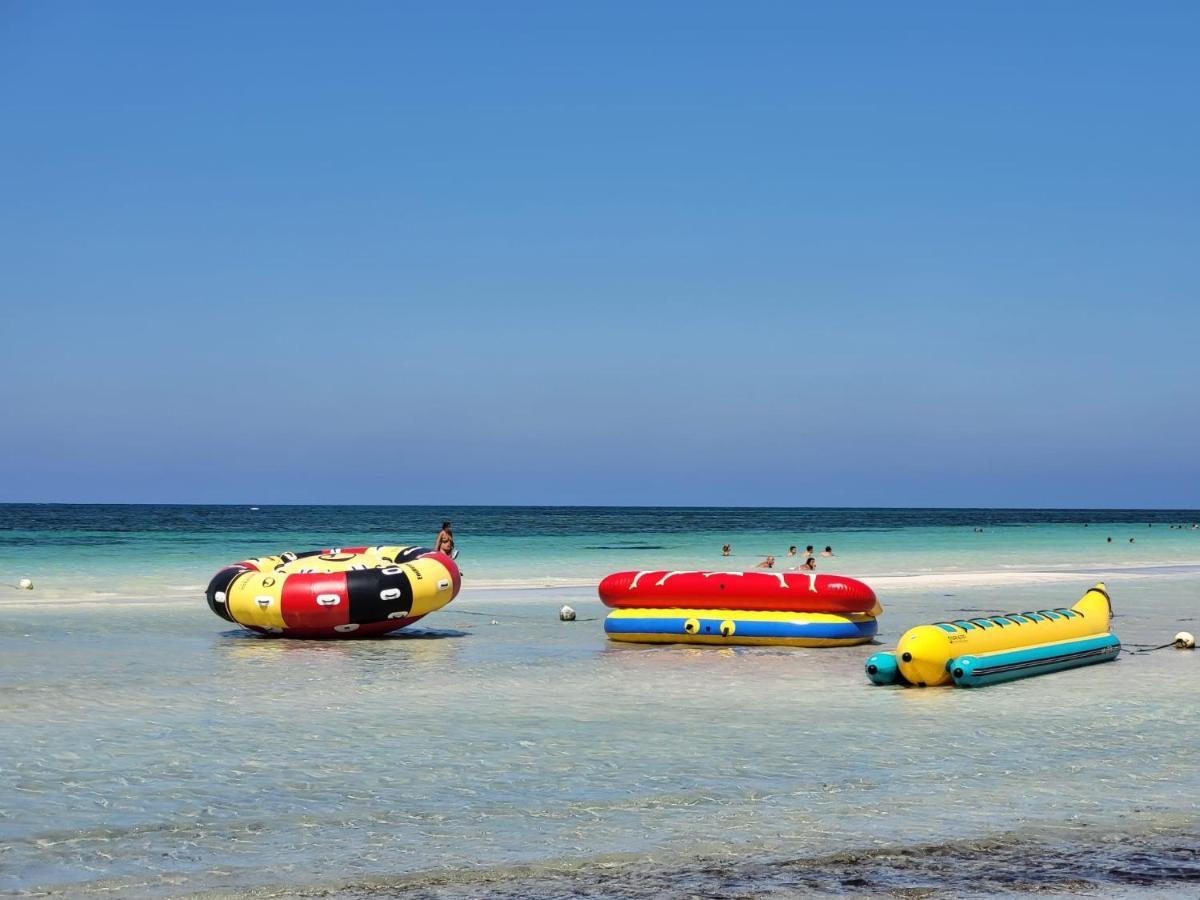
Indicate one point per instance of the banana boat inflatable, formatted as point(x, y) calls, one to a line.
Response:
point(334, 593)
point(977, 652)
point(1007, 665)
point(730, 626)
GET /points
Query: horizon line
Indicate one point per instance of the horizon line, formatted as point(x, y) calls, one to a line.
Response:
point(595, 506)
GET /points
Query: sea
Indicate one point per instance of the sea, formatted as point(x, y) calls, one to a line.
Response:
point(150, 749)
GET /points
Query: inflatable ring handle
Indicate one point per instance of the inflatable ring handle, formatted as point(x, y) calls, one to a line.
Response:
point(691, 626)
point(728, 628)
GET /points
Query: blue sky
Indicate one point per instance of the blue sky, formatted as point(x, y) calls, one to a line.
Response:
point(766, 253)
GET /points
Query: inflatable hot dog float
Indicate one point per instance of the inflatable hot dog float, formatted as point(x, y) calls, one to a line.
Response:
point(335, 593)
point(774, 608)
point(983, 651)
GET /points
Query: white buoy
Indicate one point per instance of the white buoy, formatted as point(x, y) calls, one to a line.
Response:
point(25, 584)
point(566, 614)
point(1185, 640)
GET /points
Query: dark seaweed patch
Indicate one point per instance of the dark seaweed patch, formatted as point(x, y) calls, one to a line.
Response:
point(1169, 865)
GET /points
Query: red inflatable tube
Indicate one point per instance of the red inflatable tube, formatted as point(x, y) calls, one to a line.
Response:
point(781, 591)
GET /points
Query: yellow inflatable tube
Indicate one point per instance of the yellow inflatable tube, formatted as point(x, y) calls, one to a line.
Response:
point(923, 653)
point(339, 592)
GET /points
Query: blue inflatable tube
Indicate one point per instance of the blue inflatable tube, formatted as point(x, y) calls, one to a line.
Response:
point(729, 626)
point(882, 668)
point(1007, 665)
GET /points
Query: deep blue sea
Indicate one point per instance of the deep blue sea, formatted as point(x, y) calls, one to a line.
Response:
point(149, 749)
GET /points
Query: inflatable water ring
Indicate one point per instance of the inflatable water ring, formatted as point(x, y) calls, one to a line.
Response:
point(335, 593)
point(977, 652)
point(758, 590)
point(731, 626)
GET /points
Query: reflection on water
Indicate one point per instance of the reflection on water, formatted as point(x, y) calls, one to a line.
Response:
point(149, 750)
point(420, 646)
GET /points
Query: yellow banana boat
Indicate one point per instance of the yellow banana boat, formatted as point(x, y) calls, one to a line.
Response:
point(923, 653)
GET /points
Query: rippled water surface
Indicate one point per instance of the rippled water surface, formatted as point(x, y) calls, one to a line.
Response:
point(147, 749)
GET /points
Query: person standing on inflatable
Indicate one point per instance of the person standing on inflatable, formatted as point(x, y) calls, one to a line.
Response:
point(445, 540)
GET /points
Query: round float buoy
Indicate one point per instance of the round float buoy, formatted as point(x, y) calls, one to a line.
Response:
point(566, 614)
point(1185, 640)
point(25, 584)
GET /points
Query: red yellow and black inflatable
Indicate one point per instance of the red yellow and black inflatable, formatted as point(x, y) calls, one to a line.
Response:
point(335, 593)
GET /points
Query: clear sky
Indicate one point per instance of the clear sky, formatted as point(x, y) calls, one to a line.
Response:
point(680, 253)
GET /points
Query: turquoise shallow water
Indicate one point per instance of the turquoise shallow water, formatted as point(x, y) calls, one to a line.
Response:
point(148, 749)
point(151, 551)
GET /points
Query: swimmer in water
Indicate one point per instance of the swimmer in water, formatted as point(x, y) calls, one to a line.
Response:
point(828, 551)
point(726, 549)
point(768, 563)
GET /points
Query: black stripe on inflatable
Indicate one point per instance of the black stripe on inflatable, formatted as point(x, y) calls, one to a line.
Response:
point(411, 553)
point(376, 595)
point(220, 585)
point(1103, 593)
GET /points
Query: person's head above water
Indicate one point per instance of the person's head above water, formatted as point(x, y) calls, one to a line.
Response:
point(446, 525)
